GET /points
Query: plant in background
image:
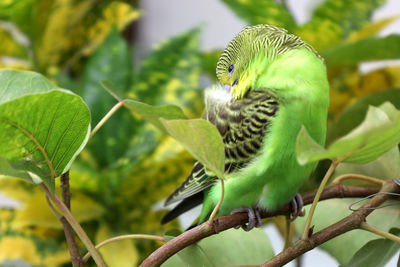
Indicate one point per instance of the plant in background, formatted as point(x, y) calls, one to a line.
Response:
point(128, 165)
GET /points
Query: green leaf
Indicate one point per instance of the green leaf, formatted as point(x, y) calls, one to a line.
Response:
point(153, 114)
point(8, 170)
point(201, 139)
point(19, 13)
point(350, 15)
point(15, 83)
point(372, 28)
point(170, 74)
point(379, 132)
point(385, 167)
point(368, 49)
point(307, 150)
point(375, 253)
point(262, 12)
point(45, 140)
point(354, 115)
point(111, 61)
point(229, 248)
point(112, 90)
point(344, 246)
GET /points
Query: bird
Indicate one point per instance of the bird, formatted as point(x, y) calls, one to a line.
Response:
point(271, 84)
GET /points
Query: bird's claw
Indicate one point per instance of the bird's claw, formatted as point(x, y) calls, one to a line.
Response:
point(296, 205)
point(254, 218)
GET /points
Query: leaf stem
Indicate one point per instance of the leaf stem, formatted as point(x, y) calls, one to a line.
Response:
point(357, 177)
point(75, 225)
point(287, 233)
point(106, 117)
point(214, 212)
point(372, 229)
point(121, 237)
point(53, 209)
point(317, 196)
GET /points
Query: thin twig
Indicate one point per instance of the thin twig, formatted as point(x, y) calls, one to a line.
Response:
point(317, 196)
point(76, 258)
point(121, 237)
point(357, 177)
point(75, 225)
point(106, 117)
point(377, 231)
point(223, 223)
point(214, 212)
point(53, 209)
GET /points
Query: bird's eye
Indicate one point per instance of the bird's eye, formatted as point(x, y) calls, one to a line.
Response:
point(230, 69)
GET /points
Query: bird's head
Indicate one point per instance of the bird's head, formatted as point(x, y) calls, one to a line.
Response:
point(250, 53)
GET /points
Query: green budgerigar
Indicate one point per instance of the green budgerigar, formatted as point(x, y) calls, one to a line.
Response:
point(272, 83)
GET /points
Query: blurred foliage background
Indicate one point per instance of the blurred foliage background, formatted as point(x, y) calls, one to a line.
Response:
point(129, 167)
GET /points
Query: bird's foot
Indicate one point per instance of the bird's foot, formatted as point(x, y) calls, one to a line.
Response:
point(253, 215)
point(296, 205)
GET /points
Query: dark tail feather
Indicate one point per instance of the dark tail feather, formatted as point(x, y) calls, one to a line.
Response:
point(185, 205)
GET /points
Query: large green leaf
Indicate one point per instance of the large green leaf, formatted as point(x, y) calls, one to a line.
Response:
point(263, 12)
point(14, 84)
point(354, 115)
point(375, 253)
point(343, 247)
point(111, 61)
point(45, 140)
point(201, 139)
point(378, 133)
point(350, 15)
point(368, 49)
point(229, 248)
point(170, 74)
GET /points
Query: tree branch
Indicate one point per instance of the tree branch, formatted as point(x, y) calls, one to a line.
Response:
point(76, 258)
point(223, 223)
point(349, 223)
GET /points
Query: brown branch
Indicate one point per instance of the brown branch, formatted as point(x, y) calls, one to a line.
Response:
point(223, 223)
point(349, 223)
point(76, 258)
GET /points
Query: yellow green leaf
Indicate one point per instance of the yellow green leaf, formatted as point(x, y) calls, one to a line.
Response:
point(349, 15)
point(9, 46)
point(263, 12)
point(16, 246)
point(35, 211)
point(372, 28)
point(75, 28)
point(320, 33)
point(120, 253)
point(349, 86)
point(115, 14)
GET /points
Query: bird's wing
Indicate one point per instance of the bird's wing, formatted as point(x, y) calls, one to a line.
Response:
point(242, 125)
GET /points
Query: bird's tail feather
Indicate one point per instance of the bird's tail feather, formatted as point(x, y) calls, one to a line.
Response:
point(185, 205)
